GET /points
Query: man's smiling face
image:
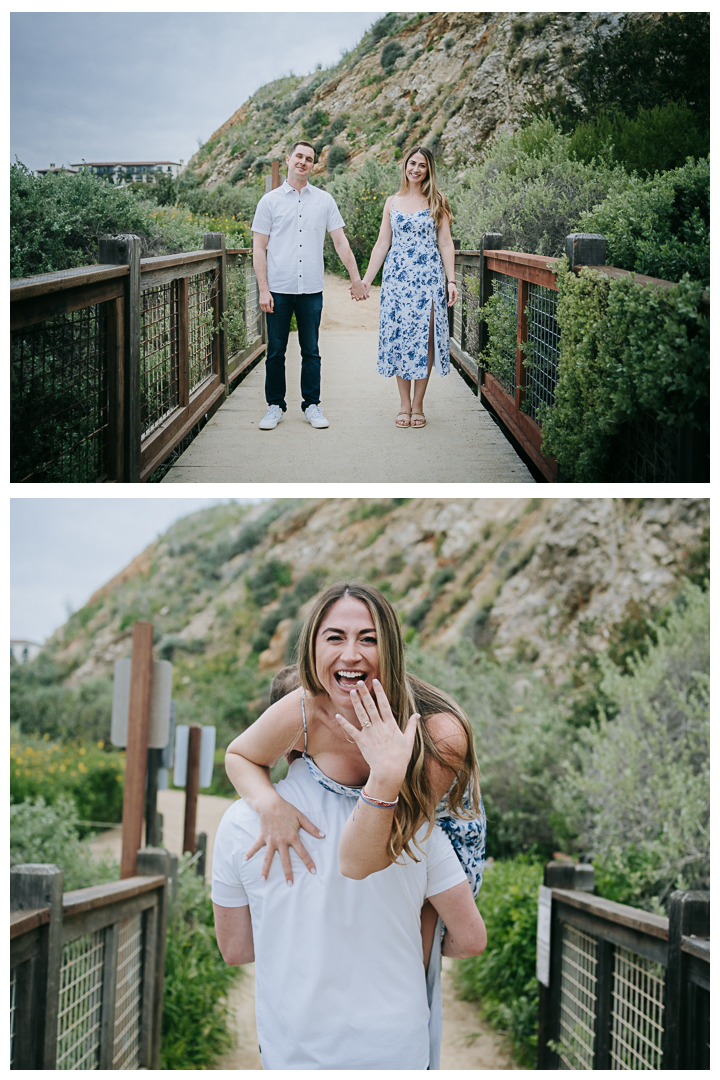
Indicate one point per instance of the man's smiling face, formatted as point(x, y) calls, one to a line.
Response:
point(300, 163)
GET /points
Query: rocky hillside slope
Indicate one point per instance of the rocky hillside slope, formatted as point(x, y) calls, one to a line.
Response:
point(448, 79)
point(536, 580)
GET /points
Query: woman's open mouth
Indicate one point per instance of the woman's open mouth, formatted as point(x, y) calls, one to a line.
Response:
point(349, 679)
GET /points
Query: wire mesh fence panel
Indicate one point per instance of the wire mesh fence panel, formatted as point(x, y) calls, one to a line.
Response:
point(59, 399)
point(80, 1005)
point(128, 995)
point(13, 991)
point(253, 314)
point(159, 383)
point(502, 331)
point(201, 291)
point(577, 999)
point(543, 348)
point(645, 451)
point(637, 1012)
point(235, 321)
point(469, 315)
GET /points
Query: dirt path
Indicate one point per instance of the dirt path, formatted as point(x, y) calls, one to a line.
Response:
point(468, 1042)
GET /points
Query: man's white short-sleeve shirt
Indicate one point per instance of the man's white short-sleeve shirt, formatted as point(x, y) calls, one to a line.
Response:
point(296, 222)
point(339, 977)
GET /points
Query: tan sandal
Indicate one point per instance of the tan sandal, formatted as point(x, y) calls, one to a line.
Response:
point(417, 415)
point(397, 418)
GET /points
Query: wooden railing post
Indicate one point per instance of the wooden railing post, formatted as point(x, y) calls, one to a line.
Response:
point(151, 861)
point(137, 746)
point(216, 242)
point(192, 783)
point(585, 249)
point(689, 914)
point(124, 250)
point(33, 886)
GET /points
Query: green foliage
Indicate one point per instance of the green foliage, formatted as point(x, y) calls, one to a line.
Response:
point(625, 350)
point(196, 1014)
point(659, 226)
point(654, 141)
point(503, 978)
point(41, 705)
point(87, 773)
point(530, 188)
point(391, 52)
point(361, 198)
point(499, 312)
point(638, 794)
point(43, 833)
point(314, 122)
point(383, 26)
point(234, 318)
point(338, 156)
point(263, 584)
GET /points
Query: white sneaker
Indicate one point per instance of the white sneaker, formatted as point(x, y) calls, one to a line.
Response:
point(314, 415)
point(271, 418)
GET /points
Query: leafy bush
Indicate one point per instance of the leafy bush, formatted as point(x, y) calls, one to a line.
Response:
point(500, 314)
point(625, 350)
point(40, 704)
point(503, 978)
point(195, 1030)
point(338, 155)
point(656, 140)
point(530, 188)
point(639, 795)
point(391, 52)
point(361, 198)
point(87, 773)
point(314, 122)
point(659, 226)
point(42, 833)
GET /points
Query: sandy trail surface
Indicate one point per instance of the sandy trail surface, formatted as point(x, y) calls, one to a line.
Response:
point(468, 1041)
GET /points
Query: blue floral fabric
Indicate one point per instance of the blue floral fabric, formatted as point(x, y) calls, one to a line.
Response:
point(413, 280)
point(466, 836)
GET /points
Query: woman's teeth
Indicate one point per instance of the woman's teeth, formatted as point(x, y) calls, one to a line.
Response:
point(351, 677)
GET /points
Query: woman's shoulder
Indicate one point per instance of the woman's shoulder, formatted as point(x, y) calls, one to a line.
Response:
point(443, 727)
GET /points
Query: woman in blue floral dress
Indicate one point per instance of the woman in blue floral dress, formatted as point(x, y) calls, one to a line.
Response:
point(414, 333)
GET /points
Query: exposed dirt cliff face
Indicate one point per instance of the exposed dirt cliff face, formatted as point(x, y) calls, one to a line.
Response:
point(448, 79)
point(533, 579)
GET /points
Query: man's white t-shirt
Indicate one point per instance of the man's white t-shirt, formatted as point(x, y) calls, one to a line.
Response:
point(340, 980)
point(296, 222)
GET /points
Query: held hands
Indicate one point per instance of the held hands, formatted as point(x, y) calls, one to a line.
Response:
point(360, 290)
point(384, 746)
point(280, 824)
point(452, 293)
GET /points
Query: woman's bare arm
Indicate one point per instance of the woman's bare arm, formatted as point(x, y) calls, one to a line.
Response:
point(466, 935)
point(382, 246)
point(447, 254)
point(363, 844)
point(248, 760)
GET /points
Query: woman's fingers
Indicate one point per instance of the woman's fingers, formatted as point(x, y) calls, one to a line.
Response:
point(259, 843)
point(308, 826)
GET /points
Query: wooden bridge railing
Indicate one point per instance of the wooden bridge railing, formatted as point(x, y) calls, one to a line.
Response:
point(621, 988)
point(113, 365)
point(87, 967)
point(650, 451)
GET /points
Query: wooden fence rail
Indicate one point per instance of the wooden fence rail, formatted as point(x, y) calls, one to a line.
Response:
point(648, 450)
point(87, 967)
point(113, 365)
point(621, 988)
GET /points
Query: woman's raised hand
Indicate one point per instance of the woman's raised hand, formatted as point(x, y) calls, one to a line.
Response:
point(384, 746)
point(280, 824)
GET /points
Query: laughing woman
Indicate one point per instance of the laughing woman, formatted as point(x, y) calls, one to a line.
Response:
point(414, 335)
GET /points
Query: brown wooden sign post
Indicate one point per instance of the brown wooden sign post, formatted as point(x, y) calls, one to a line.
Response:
point(192, 783)
point(137, 747)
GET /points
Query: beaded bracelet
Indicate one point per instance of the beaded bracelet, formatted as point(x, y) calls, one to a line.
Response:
point(381, 803)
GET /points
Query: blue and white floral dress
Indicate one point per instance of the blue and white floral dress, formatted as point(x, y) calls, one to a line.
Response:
point(413, 282)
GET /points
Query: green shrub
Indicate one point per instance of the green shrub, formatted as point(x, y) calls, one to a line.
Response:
point(659, 226)
point(625, 350)
point(639, 796)
point(530, 188)
point(43, 833)
point(361, 198)
point(503, 978)
point(314, 122)
point(499, 355)
point(656, 140)
point(41, 705)
point(195, 1028)
point(391, 52)
point(87, 773)
point(338, 155)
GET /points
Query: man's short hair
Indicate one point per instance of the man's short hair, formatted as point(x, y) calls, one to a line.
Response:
point(301, 142)
point(286, 680)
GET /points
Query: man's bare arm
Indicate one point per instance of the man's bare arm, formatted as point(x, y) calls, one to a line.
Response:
point(466, 934)
point(344, 251)
point(260, 243)
point(233, 930)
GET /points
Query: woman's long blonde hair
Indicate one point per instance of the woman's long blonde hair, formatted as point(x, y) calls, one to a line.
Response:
point(407, 695)
point(437, 202)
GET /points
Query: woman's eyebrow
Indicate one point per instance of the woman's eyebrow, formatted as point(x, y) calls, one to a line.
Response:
point(333, 630)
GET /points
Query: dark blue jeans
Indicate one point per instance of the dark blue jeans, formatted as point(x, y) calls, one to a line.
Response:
point(307, 308)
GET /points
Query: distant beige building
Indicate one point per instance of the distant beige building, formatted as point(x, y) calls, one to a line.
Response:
point(22, 651)
point(121, 173)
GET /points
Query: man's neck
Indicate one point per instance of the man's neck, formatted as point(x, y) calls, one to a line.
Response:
point(297, 182)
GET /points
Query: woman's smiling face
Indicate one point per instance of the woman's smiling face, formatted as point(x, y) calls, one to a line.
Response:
point(416, 168)
point(346, 650)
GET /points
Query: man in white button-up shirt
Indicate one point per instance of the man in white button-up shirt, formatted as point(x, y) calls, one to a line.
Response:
point(289, 229)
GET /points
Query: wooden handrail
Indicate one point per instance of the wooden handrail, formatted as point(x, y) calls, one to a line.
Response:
point(97, 896)
point(42, 284)
point(163, 262)
point(22, 922)
point(644, 921)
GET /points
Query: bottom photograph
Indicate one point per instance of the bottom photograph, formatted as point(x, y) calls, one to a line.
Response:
point(360, 784)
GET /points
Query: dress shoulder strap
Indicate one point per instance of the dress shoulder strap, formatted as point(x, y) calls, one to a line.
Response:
point(302, 702)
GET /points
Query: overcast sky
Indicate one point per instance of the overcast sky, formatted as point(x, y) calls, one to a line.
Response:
point(62, 550)
point(144, 86)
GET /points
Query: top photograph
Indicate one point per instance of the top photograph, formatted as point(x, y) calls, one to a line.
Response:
point(364, 247)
